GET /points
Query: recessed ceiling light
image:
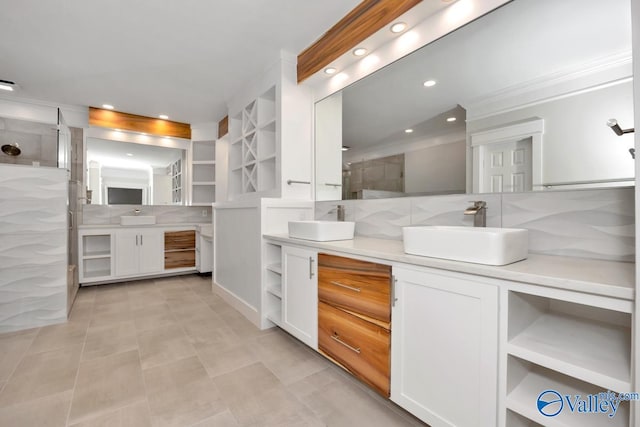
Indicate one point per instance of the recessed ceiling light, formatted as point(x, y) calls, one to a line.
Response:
point(429, 83)
point(107, 106)
point(330, 70)
point(408, 130)
point(163, 116)
point(7, 85)
point(360, 51)
point(345, 148)
point(130, 154)
point(398, 27)
point(451, 119)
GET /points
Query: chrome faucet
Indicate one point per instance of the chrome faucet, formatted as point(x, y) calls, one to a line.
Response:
point(340, 211)
point(479, 212)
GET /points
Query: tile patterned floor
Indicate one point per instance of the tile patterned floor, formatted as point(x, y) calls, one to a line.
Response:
point(168, 352)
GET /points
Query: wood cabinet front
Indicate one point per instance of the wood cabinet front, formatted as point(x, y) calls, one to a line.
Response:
point(359, 346)
point(358, 286)
point(179, 249)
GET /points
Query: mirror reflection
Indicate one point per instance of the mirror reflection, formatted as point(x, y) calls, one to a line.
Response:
point(517, 100)
point(134, 173)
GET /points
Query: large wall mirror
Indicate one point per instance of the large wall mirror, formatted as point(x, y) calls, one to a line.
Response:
point(517, 100)
point(134, 169)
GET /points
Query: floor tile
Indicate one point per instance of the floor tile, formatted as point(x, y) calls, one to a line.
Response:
point(59, 336)
point(136, 415)
point(42, 374)
point(153, 316)
point(106, 384)
point(164, 345)
point(222, 358)
point(209, 331)
point(233, 385)
point(13, 346)
point(49, 411)
point(287, 358)
point(181, 393)
point(223, 419)
point(110, 339)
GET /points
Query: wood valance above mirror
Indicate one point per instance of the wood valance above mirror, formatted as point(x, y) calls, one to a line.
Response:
point(132, 122)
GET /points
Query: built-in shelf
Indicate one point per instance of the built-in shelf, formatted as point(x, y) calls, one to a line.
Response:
point(533, 380)
point(593, 351)
point(276, 268)
point(275, 290)
point(275, 317)
point(95, 257)
point(203, 173)
point(98, 255)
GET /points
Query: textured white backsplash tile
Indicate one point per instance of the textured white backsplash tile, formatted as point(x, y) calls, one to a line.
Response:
point(597, 223)
point(583, 223)
point(104, 215)
point(449, 210)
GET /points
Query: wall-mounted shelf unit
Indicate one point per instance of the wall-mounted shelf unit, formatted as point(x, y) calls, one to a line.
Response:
point(203, 173)
point(253, 151)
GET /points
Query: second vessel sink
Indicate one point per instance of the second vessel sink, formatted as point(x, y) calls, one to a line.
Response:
point(137, 220)
point(481, 245)
point(322, 231)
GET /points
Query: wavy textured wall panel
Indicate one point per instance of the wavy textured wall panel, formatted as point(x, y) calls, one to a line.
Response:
point(583, 223)
point(33, 247)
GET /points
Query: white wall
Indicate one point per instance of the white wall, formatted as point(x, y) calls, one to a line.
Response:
point(436, 169)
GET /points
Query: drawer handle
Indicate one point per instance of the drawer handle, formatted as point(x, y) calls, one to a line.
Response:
point(342, 285)
point(336, 338)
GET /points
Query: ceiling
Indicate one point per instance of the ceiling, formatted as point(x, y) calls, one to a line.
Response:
point(185, 59)
point(518, 43)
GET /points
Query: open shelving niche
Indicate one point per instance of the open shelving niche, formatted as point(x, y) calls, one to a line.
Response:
point(272, 297)
point(568, 347)
point(96, 256)
point(253, 152)
point(203, 173)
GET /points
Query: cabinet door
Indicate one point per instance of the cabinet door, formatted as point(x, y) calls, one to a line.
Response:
point(151, 247)
point(300, 294)
point(127, 243)
point(444, 348)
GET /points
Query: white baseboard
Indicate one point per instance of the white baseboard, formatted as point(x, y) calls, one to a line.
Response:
point(238, 303)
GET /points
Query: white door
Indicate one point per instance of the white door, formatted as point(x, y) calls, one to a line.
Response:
point(151, 247)
point(127, 242)
point(300, 294)
point(507, 167)
point(444, 348)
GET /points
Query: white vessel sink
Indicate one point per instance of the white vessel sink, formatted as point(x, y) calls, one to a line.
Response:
point(322, 231)
point(137, 220)
point(490, 246)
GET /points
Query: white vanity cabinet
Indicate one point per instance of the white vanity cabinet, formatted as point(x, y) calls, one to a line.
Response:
point(444, 347)
point(300, 294)
point(139, 251)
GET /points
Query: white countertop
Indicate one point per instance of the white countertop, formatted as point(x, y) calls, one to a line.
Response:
point(598, 277)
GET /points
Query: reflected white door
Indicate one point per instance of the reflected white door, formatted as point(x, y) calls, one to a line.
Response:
point(507, 167)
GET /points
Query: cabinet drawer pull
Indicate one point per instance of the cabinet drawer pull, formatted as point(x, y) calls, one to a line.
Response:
point(342, 285)
point(336, 338)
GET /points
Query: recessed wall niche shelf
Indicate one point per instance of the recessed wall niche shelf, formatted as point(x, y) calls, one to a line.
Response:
point(253, 151)
point(203, 173)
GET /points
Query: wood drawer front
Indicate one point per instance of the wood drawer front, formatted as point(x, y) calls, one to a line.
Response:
point(359, 286)
point(177, 240)
point(360, 346)
point(180, 259)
